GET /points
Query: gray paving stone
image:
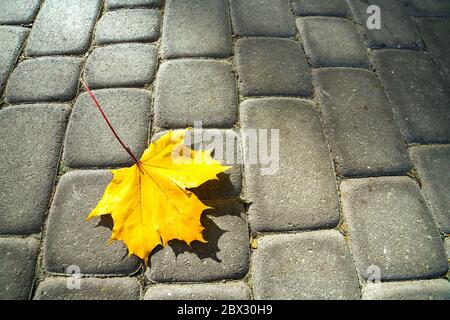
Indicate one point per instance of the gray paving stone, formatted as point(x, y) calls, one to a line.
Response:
point(270, 66)
point(320, 8)
point(427, 8)
point(195, 90)
point(410, 290)
point(227, 147)
point(435, 34)
point(228, 144)
point(196, 28)
point(121, 65)
point(397, 28)
point(302, 193)
point(311, 265)
point(225, 256)
point(417, 95)
point(29, 153)
point(17, 266)
point(272, 18)
point(390, 227)
point(113, 4)
point(11, 42)
point(447, 247)
point(363, 135)
point(18, 11)
point(332, 42)
point(90, 142)
point(56, 288)
point(229, 291)
point(432, 165)
point(44, 79)
point(63, 27)
point(128, 25)
point(72, 241)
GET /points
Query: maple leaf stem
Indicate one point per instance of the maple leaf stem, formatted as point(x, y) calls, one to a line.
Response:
point(97, 104)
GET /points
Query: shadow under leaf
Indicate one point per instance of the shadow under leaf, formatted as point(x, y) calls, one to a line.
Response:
point(212, 232)
point(215, 188)
point(210, 249)
point(105, 221)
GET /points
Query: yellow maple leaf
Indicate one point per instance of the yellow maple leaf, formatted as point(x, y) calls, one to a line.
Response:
point(149, 201)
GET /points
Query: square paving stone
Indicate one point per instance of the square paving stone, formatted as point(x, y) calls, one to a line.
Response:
point(195, 28)
point(363, 135)
point(224, 256)
point(55, 288)
point(311, 265)
point(121, 65)
point(227, 146)
point(320, 8)
point(30, 148)
point(63, 27)
point(435, 34)
point(332, 42)
point(432, 164)
point(417, 94)
point(390, 227)
point(298, 190)
point(222, 291)
point(190, 90)
point(397, 29)
point(44, 79)
point(17, 266)
point(128, 25)
point(113, 4)
point(438, 289)
point(272, 18)
point(18, 11)
point(11, 42)
point(90, 142)
point(269, 66)
point(72, 241)
point(427, 8)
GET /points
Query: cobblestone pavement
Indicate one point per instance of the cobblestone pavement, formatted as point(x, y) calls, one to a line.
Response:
point(363, 188)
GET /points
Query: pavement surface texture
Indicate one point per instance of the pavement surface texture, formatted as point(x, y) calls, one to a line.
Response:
point(359, 207)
